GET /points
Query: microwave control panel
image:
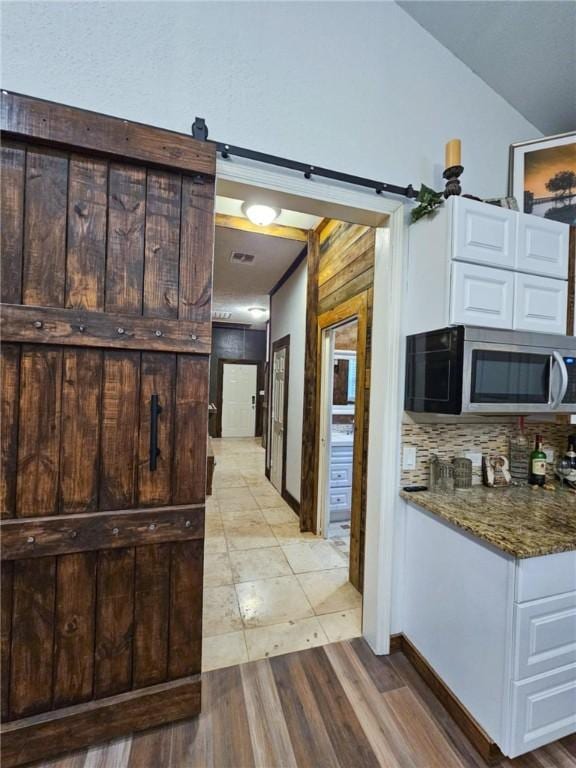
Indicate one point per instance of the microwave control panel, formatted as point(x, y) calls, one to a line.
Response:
point(570, 396)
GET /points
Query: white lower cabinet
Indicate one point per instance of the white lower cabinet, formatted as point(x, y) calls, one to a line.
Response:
point(499, 631)
point(340, 494)
point(540, 304)
point(481, 296)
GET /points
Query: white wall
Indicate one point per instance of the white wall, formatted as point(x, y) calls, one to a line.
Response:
point(360, 87)
point(288, 316)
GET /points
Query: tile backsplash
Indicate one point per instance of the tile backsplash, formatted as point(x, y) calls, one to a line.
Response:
point(448, 440)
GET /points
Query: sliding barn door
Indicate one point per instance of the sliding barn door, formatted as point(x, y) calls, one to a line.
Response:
point(107, 232)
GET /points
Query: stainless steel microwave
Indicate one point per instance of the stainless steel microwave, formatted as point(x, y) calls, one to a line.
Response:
point(465, 369)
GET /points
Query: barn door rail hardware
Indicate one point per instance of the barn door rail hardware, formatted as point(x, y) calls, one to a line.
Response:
point(200, 132)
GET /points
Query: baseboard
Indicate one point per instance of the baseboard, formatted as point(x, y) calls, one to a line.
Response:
point(291, 501)
point(64, 730)
point(474, 732)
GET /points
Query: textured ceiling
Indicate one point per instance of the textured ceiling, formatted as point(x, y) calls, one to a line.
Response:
point(525, 51)
point(239, 286)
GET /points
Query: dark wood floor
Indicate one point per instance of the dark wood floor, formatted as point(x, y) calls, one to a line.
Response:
point(333, 707)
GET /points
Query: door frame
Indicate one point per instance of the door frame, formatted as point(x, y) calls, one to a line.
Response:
point(385, 521)
point(220, 391)
point(282, 343)
point(355, 308)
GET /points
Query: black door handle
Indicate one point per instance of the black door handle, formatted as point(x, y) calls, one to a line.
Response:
point(155, 411)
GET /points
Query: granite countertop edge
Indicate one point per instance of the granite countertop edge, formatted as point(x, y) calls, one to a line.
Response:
point(513, 536)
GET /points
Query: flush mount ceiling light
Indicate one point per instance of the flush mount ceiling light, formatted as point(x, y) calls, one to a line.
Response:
point(261, 215)
point(257, 312)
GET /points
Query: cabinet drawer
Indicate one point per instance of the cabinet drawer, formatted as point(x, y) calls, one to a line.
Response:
point(340, 499)
point(542, 247)
point(545, 635)
point(540, 304)
point(484, 234)
point(543, 710)
point(481, 296)
point(340, 475)
point(545, 576)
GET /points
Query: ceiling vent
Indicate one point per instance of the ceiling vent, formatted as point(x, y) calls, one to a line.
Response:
point(241, 258)
point(221, 315)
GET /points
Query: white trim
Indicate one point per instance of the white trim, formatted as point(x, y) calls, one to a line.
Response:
point(386, 371)
point(325, 405)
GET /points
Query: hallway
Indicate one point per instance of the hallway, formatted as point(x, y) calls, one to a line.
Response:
point(268, 588)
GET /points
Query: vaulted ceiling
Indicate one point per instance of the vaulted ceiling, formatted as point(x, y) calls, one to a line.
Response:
point(524, 50)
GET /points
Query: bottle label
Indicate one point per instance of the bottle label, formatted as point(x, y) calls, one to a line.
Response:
point(539, 466)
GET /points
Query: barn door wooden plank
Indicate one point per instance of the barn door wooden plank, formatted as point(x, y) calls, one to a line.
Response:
point(45, 233)
point(10, 387)
point(114, 622)
point(119, 441)
point(158, 377)
point(74, 634)
point(162, 244)
point(126, 221)
point(13, 160)
point(39, 431)
point(5, 635)
point(186, 573)
point(32, 636)
point(151, 614)
point(79, 448)
point(196, 250)
point(191, 420)
point(86, 247)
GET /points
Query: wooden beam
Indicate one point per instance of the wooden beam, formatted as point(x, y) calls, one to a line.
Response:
point(64, 534)
point(273, 230)
point(83, 328)
point(309, 433)
point(27, 118)
point(42, 736)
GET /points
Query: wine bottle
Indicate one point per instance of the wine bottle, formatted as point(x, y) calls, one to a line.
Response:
point(537, 464)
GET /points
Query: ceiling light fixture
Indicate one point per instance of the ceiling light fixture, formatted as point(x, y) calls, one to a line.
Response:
point(257, 312)
point(261, 215)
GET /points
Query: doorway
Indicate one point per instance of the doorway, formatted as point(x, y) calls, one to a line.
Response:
point(279, 413)
point(239, 390)
point(340, 455)
point(337, 436)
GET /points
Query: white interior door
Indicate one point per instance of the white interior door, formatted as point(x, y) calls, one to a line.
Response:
point(239, 400)
point(277, 441)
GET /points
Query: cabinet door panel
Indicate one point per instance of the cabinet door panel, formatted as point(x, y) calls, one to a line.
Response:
point(545, 635)
point(541, 304)
point(543, 710)
point(484, 234)
point(542, 247)
point(482, 296)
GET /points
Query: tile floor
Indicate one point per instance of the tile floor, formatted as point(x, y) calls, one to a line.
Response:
point(268, 588)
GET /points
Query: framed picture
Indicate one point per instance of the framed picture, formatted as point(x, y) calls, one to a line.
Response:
point(542, 177)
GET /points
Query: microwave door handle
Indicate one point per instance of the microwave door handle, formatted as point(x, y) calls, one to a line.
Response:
point(559, 360)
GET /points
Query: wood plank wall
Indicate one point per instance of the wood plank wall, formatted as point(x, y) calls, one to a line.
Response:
point(345, 270)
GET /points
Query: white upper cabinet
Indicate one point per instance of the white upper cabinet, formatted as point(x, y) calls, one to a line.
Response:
point(540, 304)
point(484, 234)
point(477, 264)
point(542, 247)
point(482, 296)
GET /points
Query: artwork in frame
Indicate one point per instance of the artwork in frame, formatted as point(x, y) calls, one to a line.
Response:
point(542, 177)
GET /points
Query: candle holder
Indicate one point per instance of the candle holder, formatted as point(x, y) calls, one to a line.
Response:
point(452, 176)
